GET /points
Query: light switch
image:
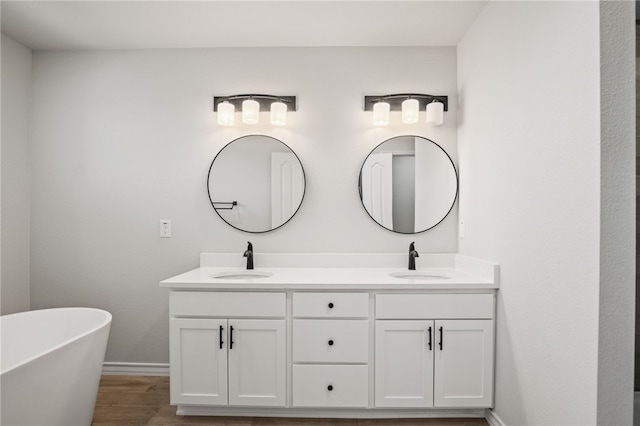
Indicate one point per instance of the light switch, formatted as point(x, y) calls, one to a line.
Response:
point(461, 230)
point(165, 228)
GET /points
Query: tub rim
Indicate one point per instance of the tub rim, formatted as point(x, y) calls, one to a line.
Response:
point(28, 360)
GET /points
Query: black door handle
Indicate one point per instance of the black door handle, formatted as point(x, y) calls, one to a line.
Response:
point(221, 342)
point(430, 341)
point(440, 338)
point(330, 388)
point(330, 342)
point(231, 337)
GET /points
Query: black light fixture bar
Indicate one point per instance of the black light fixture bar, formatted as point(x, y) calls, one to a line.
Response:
point(265, 101)
point(395, 101)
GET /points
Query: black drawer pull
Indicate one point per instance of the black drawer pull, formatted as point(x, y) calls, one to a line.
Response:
point(330, 388)
point(330, 342)
point(430, 340)
point(221, 342)
point(330, 305)
point(440, 338)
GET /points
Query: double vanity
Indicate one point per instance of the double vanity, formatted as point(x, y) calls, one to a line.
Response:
point(333, 335)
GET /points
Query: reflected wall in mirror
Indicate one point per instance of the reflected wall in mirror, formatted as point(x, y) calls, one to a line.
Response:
point(256, 183)
point(408, 184)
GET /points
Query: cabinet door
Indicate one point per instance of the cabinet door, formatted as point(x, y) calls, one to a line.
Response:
point(404, 363)
point(464, 364)
point(198, 361)
point(257, 361)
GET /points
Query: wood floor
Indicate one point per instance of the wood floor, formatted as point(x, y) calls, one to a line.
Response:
point(144, 400)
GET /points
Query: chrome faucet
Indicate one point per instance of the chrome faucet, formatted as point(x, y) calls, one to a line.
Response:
point(248, 253)
point(412, 256)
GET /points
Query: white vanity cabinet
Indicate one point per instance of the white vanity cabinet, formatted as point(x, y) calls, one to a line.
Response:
point(434, 350)
point(228, 348)
point(330, 349)
point(324, 341)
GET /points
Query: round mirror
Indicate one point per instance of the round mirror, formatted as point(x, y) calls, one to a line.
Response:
point(256, 183)
point(408, 184)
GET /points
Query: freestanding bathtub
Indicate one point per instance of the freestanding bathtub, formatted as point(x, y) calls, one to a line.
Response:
point(51, 364)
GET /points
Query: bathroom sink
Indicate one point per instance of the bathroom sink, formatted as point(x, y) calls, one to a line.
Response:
point(241, 275)
point(418, 275)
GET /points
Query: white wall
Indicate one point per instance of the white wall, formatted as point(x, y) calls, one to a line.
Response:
point(14, 167)
point(122, 139)
point(530, 160)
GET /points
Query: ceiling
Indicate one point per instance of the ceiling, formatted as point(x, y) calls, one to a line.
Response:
point(68, 25)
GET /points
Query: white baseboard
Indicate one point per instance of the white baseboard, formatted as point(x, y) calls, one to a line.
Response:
point(344, 413)
point(135, 369)
point(492, 418)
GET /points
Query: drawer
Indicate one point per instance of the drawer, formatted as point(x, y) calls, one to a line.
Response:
point(330, 385)
point(327, 341)
point(331, 305)
point(227, 304)
point(434, 306)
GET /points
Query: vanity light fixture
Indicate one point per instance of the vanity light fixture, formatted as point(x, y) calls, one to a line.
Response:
point(251, 105)
point(278, 114)
point(381, 113)
point(410, 104)
point(435, 113)
point(226, 114)
point(410, 111)
point(250, 111)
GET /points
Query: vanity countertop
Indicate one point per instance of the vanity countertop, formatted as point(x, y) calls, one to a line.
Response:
point(458, 274)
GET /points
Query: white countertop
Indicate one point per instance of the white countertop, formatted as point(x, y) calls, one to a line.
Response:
point(327, 278)
point(449, 271)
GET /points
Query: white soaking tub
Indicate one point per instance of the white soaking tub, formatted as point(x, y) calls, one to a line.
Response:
point(50, 365)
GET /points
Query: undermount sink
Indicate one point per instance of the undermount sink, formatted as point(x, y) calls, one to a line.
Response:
point(419, 275)
point(241, 275)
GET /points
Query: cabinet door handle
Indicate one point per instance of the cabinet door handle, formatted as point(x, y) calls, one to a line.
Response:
point(430, 339)
point(440, 338)
point(330, 342)
point(330, 388)
point(221, 342)
point(231, 337)
point(330, 305)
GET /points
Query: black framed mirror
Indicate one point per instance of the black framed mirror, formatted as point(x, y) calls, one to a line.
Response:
point(256, 183)
point(408, 184)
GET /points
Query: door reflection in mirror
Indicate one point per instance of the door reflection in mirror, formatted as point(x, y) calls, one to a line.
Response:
point(408, 184)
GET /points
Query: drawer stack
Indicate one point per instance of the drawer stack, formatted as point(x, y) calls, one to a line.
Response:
point(330, 349)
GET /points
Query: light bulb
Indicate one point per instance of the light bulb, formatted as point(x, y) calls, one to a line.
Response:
point(250, 111)
point(381, 113)
point(226, 114)
point(435, 113)
point(278, 114)
point(410, 109)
